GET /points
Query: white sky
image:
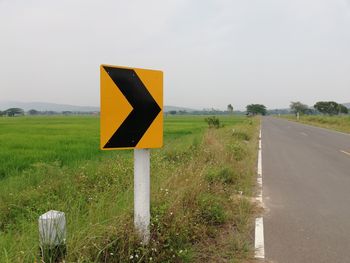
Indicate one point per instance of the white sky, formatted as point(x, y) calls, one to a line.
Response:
point(212, 52)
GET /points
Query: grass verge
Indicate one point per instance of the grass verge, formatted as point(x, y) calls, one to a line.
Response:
point(338, 123)
point(201, 186)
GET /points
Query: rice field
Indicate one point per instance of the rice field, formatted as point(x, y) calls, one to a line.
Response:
point(55, 163)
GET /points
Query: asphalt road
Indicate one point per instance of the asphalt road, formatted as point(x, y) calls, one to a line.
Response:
point(306, 192)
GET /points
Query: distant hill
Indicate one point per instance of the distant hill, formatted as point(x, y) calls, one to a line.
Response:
point(175, 108)
point(347, 104)
point(44, 106)
point(279, 111)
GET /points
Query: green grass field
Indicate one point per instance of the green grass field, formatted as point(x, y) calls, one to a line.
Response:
point(338, 123)
point(64, 140)
point(55, 163)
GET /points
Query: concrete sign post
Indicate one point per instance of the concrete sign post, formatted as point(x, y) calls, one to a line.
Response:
point(132, 118)
point(142, 214)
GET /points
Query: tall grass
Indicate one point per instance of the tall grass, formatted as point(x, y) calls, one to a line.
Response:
point(338, 123)
point(28, 140)
point(197, 208)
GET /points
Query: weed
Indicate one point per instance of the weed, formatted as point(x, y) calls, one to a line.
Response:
point(240, 135)
point(211, 209)
point(238, 151)
point(225, 175)
point(339, 123)
point(213, 122)
point(193, 178)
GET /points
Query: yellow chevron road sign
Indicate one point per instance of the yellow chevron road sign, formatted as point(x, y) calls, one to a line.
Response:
point(131, 108)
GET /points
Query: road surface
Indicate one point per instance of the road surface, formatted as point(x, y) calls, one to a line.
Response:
point(306, 192)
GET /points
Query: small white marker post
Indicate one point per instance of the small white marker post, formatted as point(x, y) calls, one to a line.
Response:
point(298, 115)
point(52, 234)
point(142, 213)
point(259, 238)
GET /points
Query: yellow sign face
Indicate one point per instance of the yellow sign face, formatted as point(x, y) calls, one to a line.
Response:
point(131, 108)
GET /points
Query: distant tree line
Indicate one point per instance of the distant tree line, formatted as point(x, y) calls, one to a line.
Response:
point(255, 109)
point(13, 112)
point(252, 109)
point(321, 107)
point(331, 108)
point(204, 112)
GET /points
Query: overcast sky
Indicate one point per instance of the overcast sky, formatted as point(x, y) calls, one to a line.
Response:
point(212, 52)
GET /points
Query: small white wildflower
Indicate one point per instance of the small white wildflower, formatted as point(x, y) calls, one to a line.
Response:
point(131, 257)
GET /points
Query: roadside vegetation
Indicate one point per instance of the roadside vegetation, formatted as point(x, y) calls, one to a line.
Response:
point(338, 123)
point(202, 181)
point(326, 114)
point(330, 108)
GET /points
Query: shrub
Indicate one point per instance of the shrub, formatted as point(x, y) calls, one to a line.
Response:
point(211, 210)
point(225, 175)
point(238, 151)
point(241, 135)
point(213, 122)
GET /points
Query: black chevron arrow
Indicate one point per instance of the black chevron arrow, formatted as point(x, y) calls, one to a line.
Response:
point(145, 108)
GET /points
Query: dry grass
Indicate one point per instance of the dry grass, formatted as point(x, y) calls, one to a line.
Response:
point(338, 123)
point(200, 204)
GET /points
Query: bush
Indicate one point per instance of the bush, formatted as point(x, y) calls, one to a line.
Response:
point(241, 135)
point(211, 210)
point(238, 151)
point(213, 122)
point(226, 176)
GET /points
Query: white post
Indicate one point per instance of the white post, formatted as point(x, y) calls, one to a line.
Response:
point(52, 234)
point(298, 115)
point(142, 213)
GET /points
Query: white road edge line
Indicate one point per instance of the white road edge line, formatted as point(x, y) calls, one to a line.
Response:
point(259, 197)
point(259, 238)
point(259, 223)
point(259, 164)
point(347, 153)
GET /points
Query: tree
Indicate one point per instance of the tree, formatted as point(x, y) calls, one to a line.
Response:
point(255, 109)
point(327, 107)
point(343, 109)
point(230, 108)
point(298, 107)
point(33, 112)
point(172, 112)
point(14, 111)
